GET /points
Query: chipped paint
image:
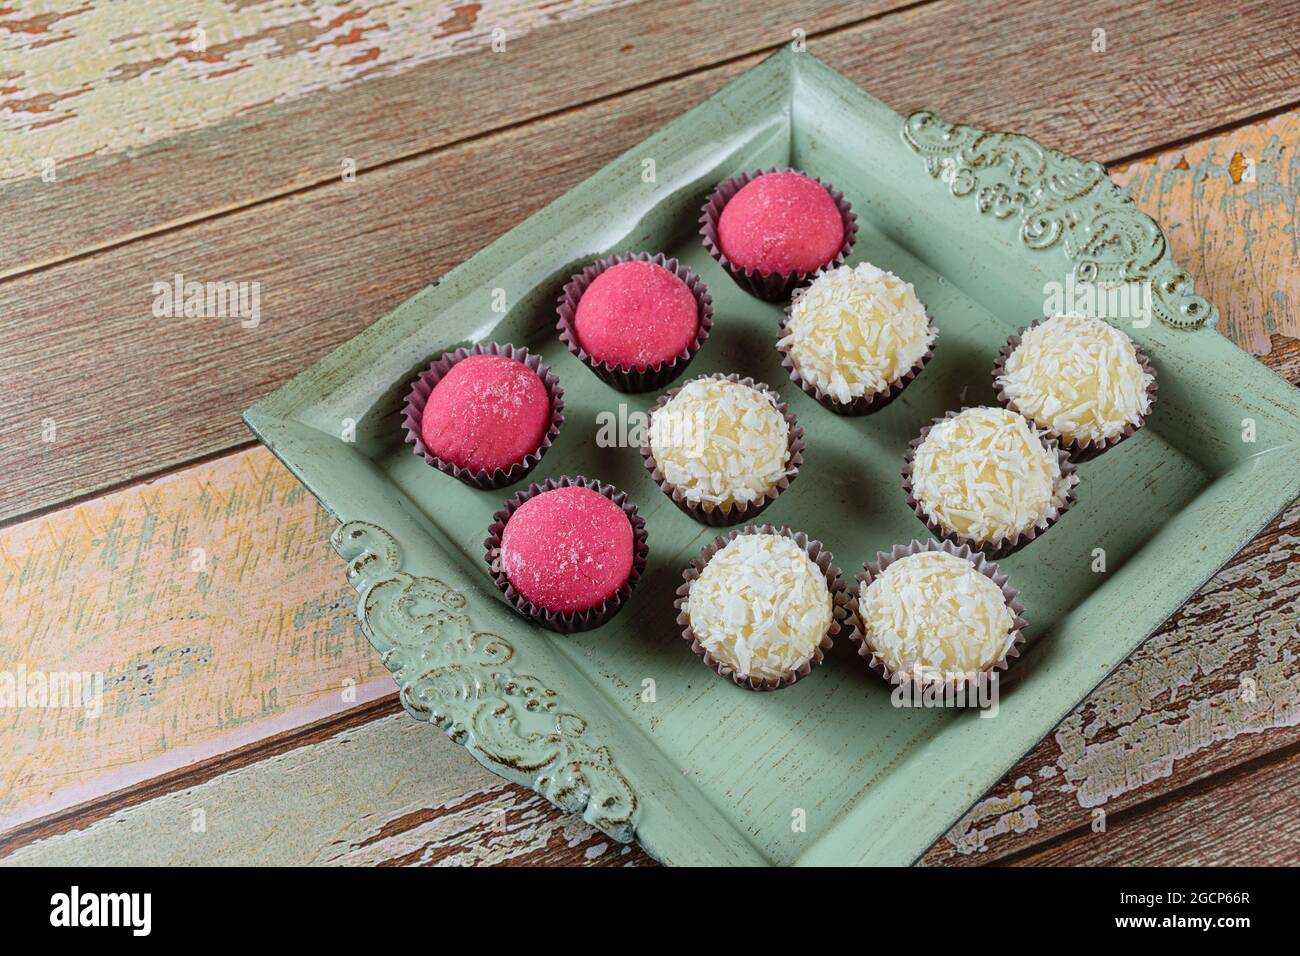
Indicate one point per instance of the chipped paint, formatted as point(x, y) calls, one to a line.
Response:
point(1174, 678)
point(1229, 206)
point(1116, 745)
point(1012, 813)
point(113, 581)
point(200, 649)
point(109, 76)
point(1216, 676)
point(414, 799)
point(492, 826)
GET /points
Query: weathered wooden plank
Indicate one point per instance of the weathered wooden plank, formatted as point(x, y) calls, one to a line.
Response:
point(1243, 819)
point(388, 792)
point(1138, 77)
point(1221, 64)
point(1219, 685)
point(145, 131)
point(210, 605)
point(89, 81)
point(1284, 357)
point(1231, 203)
point(195, 774)
point(79, 340)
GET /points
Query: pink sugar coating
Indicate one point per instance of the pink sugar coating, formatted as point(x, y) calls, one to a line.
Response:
point(782, 223)
point(635, 315)
point(487, 412)
point(568, 549)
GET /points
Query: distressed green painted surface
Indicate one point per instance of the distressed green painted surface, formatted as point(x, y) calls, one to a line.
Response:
point(720, 774)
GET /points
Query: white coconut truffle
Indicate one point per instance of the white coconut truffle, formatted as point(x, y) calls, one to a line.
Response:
point(935, 614)
point(985, 475)
point(855, 330)
point(720, 443)
point(1077, 377)
point(761, 606)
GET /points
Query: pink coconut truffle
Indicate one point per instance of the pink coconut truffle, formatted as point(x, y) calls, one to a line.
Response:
point(487, 412)
point(567, 550)
point(636, 315)
point(781, 223)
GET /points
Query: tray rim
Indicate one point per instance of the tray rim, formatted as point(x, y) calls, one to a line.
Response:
point(273, 420)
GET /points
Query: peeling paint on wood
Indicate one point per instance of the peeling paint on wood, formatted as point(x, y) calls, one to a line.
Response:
point(1140, 729)
point(387, 792)
point(1229, 205)
point(293, 144)
point(1247, 820)
point(109, 76)
point(1130, 736)
point(209, 602)
point(994, 816)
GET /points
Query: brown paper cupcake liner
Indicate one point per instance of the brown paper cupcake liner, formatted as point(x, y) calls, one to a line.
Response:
point(572, 621)
point(873, 569)
point(633, 379)
point(1079, 451)
point(841, 604)
point(717, 516)
point(418, 396)
point(1064, 498)
point(862, 404)
point(772, 286)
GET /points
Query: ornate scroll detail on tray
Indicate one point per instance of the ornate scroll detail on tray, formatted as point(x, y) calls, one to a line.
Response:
point(465, 681)
point(1060, 200)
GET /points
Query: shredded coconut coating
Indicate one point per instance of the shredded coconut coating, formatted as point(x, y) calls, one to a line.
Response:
point(1078, 377)
point(935, 612)
point(986, 475)
point(720, 443)
point(855, 330)
point(761, 606)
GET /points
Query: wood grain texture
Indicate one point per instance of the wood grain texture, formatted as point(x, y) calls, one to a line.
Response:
point(384, 236)
point(416, 799)
point(380, 240)
point(144, 130)
point(105, 78)
point(1167, 72)
point(1243, 819)
point(1231, 202)
point(211, 606)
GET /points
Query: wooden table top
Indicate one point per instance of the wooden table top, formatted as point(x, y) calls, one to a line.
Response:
point(345, 157)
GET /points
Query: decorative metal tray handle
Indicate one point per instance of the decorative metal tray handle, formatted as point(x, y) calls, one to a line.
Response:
point(1063, 201)
point(461, 679)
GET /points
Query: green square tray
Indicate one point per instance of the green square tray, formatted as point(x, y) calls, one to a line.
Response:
point(701, 771)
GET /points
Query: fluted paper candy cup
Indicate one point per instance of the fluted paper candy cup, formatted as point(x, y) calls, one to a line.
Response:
point(862, 404)
point(840, 605)
point(572, 621)
point(1079, 452)
point(1065, 496)
point(772, 286)
point(418, 396)
point(634, 379)
point(859, 635)
point(717, 516)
